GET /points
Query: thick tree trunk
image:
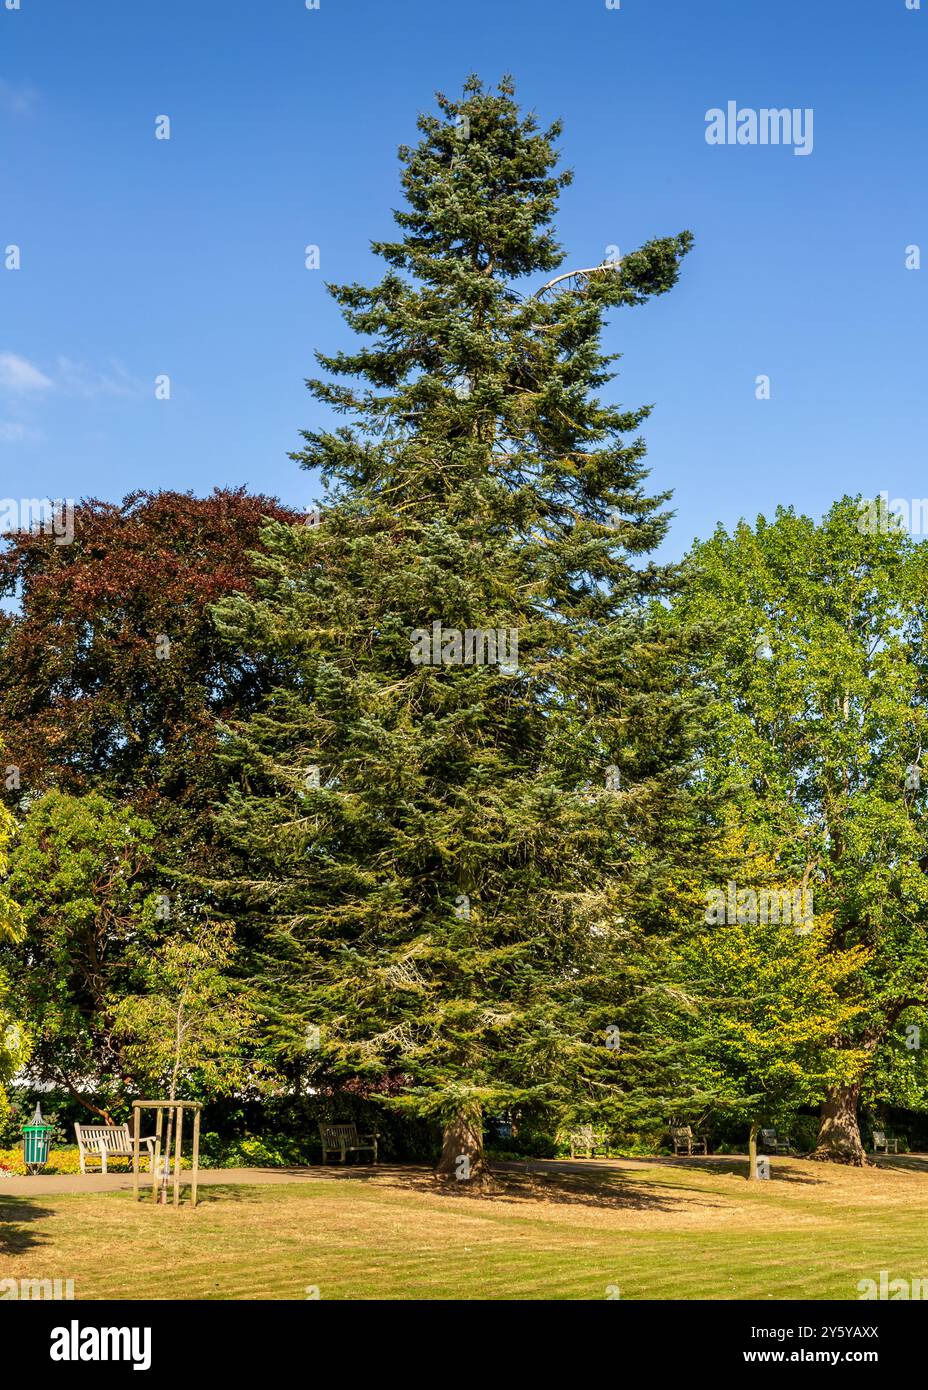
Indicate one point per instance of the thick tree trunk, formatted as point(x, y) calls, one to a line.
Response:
point(462, 1148)
point(839, 1132)
point(752, 1153)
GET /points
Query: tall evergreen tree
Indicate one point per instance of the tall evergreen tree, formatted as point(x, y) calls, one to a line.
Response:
point(463, 792)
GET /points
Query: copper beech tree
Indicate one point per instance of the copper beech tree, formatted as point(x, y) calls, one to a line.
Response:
point(112, 674)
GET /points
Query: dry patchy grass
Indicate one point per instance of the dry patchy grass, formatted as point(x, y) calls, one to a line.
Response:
point(656, 1229)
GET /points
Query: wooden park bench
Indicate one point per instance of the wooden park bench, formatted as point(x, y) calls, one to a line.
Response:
point(586, 1138)
point(880, 1141)
point(684, 1140)
point(773, 1144)
point(107, 1141)
point(345, 1139)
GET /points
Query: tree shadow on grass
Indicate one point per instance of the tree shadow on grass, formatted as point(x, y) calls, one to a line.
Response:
point(900, 1163)
point(615, 1191)
point(607, 1189)
point(736, 1165)
point(606, 1184)
point(15, 1213)
point(611, 1185)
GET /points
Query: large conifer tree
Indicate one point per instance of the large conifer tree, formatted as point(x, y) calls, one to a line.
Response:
point(447, 842)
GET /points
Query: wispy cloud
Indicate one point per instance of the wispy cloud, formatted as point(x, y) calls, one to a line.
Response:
point(13, 432)
point(18, 375)
point(17, 98)
point(78, 379)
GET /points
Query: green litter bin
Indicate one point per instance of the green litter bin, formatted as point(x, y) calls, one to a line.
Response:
point(37, 1139)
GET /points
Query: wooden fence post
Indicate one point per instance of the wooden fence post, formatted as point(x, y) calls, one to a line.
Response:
point(156, 1167)
point(136, 1123)
point(196, 1155)
point(177, 1148)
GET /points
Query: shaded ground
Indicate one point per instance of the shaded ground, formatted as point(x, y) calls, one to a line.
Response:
point(688, 1229)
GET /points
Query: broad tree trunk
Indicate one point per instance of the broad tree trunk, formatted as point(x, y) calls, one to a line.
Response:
point(839, 1132)
point(752, 1153)
point(462, 1147)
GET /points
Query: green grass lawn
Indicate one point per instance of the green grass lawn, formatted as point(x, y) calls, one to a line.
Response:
point(653, 1229)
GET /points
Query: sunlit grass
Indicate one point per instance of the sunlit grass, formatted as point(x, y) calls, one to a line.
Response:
point(650, 1230)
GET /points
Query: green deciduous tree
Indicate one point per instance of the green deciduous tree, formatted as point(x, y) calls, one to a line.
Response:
point(766, 1007)
point(14, 1043)
point(187, 1026)
point(79, 873)
point(818, 744)
point(446, 835)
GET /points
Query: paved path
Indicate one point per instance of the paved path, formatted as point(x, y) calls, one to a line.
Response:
point(47, 1184)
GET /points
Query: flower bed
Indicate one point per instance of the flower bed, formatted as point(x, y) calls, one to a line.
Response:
point(63, 1160)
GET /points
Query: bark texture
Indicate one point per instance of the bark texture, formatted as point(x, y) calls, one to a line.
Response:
point(839, 1132)
point(462, 1148)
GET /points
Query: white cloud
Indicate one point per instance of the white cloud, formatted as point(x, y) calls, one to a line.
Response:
point(19, 376)
point(13, 432)
point(77, 379)
point(16, 374)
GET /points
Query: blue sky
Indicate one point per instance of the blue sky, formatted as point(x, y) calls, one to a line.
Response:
point(185, 257)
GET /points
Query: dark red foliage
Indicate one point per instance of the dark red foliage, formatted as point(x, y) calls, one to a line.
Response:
point(85, 698)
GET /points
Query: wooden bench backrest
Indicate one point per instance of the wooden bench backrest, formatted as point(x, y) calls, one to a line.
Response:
point(681, 1131)
point(768, 1135)
point(879, 1137)
point(112, 1137)
point(332, 1135)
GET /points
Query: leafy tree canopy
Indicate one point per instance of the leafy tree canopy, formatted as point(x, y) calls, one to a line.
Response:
point(818, 739)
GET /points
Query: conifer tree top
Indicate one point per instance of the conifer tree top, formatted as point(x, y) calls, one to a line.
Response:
point(472, 396)
point(481, 188)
